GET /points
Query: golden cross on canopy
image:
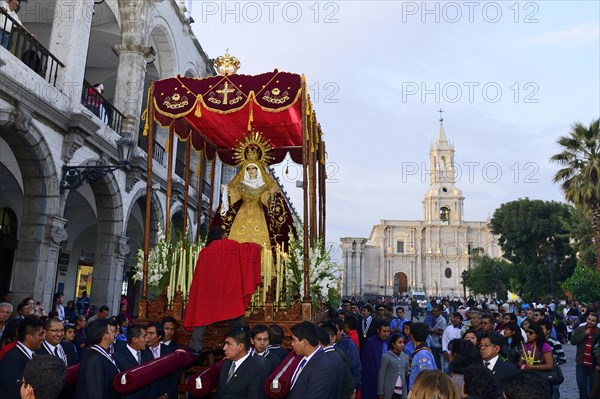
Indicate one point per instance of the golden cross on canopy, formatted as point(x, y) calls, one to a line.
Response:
point(226, 90)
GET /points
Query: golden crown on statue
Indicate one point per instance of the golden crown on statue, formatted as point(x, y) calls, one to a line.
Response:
point(226, 64)
point(253, 148)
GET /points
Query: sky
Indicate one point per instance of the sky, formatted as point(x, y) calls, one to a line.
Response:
point(511, 78)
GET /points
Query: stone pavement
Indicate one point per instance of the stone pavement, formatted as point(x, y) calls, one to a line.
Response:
point(568, 389)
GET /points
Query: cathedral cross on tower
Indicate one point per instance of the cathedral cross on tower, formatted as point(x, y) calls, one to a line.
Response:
point(441, 118)
point(226, 90)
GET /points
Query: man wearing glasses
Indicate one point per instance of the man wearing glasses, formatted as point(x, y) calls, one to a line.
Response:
point(489, 348)
point(54, 344)
point(42, 378)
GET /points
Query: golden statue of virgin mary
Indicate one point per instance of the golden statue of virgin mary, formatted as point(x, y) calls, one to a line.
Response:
point(254, 193)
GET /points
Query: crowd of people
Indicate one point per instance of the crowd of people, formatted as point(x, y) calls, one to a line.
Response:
point(365, 350)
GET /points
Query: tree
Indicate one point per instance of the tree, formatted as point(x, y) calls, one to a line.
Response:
point(488, 276)
point(584, 284)
point(528, 231)
point(580, 176)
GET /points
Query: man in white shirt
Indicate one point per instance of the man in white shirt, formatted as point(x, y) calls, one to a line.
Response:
point(451, 332)
point(10, 7)
point(59, 298)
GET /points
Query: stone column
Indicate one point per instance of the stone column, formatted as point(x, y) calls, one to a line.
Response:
point(34, 269)
point(69, 41)
point(108, 271)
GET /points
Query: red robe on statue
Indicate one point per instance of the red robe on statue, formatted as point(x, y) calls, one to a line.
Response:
point(226, 276)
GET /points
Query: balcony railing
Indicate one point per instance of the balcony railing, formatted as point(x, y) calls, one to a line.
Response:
point(16, 39)
point(159, 151)
point(101, 107)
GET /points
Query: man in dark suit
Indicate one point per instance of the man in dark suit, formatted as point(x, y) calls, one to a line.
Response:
point(275, 340)
point(155, 334)
point(328, 337)
point(97, 369)
point(260, 339)
point(489, 348)
point(366, 325)
point(317, 375)
point(55, 346)
point(242, 376)
point(30, 334)
point(170, 328)
point(133, 354)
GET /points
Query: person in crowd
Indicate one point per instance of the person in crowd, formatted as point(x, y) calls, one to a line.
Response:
point(382, 313)
point(10, 336)
point(83, 304)
point(30, 337)
point(398, 322)
point(473, 336)
point(487, 323)
point(537, 354)
point(595, 394)
point(43, 378)
point(373, 350)
point(583, 336)
point(414, 310)
point(53, 344)
point(527, 384)
point(276, 335)
point(170, 326)
point(462, 354)
point(451, 332)
point(57, 305)
point(123, 324)
point(70, 335)
point(422, 358)
point(155, 333)
point(6, 310)
point(70, 312)
point(97, 369)
point(259, 339)
point(366, 325)
point(409, 347)
point(80, 333)
point(327, 339)
point(479, 383)
point(345, 344)
point(489, 349)
point(433, 384)
point(475, 324)
point(350, 329)
point(437, 327)
point(24, 309)
point(10, 7)
point(133, 354)
point(514, 343)
point(316, 376)
point(124, 312)
point(391, 382)
point(499, 318)
point(102, 314)
point(558, 354)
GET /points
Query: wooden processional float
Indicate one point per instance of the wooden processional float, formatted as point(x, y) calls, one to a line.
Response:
point(213, 116)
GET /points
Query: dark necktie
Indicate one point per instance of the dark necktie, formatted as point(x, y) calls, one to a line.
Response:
point(231, 371)
point(139, 357)
point(56, 352)
point(487, 364)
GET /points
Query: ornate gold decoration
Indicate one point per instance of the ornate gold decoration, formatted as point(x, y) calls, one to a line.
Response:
point(253, 148)
point(275, 96)
point(175, 101)
point(226, 64)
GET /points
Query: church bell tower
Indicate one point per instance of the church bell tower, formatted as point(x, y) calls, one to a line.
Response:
point(443, 202)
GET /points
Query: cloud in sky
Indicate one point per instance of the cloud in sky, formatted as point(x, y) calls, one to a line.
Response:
point(380, 71)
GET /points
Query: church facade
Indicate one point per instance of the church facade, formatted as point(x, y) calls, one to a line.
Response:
point(428, 255)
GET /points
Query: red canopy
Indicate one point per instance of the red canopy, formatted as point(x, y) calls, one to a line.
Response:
point(218, 111)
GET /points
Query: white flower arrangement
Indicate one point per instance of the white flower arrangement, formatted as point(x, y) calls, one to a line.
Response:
point(158, 260)
point(322, 270)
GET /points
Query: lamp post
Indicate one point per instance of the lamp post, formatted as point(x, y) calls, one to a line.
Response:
point(74, 176)
point(464, 283)
point(551, 263)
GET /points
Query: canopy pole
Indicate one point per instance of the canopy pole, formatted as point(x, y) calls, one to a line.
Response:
point(322, 176)
point(312, 179)
point(169, 182)
point(306, 306)
point(212, 190)
point(143, 304)
point(200, 195)
point(186, 196)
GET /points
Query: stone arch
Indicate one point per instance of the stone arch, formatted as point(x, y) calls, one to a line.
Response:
point(161, 38)
point(40, 230)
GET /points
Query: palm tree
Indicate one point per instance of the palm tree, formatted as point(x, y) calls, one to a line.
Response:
point(580, 176)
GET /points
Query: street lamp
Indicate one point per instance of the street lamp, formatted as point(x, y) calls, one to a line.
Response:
point(551, 263)
point(75, 176)
point(464, 283)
